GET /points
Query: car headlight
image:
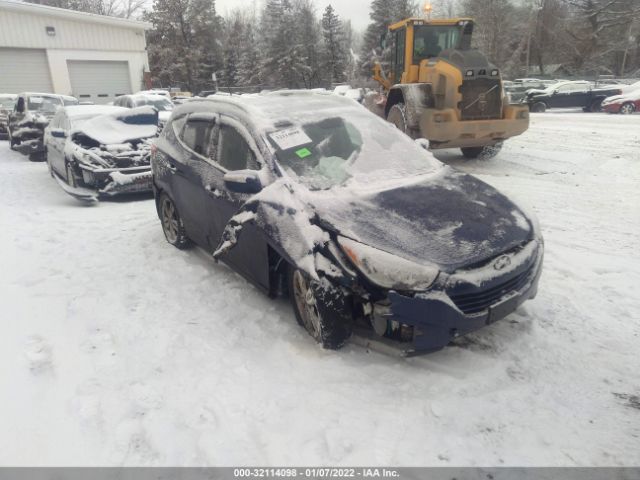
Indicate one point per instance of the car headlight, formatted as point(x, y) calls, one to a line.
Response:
point(387, 270)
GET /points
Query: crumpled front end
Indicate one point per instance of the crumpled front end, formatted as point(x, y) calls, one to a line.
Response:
point(462, 302)
point(30, 133)
point(116, 169)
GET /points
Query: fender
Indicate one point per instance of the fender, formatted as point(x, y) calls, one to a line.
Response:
point(415, 96)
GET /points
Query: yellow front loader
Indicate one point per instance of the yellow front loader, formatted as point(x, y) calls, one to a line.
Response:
point(440, 89)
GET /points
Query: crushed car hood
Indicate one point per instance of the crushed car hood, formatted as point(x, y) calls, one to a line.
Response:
point(122, 127)
point(452, 220)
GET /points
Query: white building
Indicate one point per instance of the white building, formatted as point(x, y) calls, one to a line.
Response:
point(92, 57)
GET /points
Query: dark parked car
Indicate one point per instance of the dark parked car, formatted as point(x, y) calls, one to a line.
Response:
point(101, 150)
point(29, 118)
point(570, 95)
point(310, 195)
point(7, 103)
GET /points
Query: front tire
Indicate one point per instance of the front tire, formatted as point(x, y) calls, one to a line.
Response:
point(12, 141)
point(172, 225)
point(71, 176)
point(627, 108)
point(483, 153)
point(596, 105)
point(324, 313)
point(398, 117)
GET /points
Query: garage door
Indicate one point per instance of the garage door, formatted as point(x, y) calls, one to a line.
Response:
point(98, 81)
point(24, 70)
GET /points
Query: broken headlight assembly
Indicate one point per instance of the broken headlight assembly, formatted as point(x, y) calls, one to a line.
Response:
point(387, 270)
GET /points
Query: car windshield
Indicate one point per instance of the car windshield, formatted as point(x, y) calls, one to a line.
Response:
point(161, 104)
point(331, 151)
point(7, 102)
point(42, 103)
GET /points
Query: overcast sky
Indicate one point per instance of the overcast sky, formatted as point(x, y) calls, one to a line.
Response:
point(355, 10)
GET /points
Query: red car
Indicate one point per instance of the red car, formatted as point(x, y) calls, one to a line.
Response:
point(625, 104)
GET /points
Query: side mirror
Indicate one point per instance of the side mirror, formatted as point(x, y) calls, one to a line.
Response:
point(243, 181)
point(58, 133)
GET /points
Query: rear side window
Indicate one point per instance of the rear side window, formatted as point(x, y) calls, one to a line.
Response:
point(195, 133)
point(234, 152)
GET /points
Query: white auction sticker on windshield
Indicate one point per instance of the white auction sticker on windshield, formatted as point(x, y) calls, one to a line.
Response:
point(36, 99)
point(290, 138)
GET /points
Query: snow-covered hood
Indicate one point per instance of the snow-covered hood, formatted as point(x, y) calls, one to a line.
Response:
point(122, 127)
point(452, 220)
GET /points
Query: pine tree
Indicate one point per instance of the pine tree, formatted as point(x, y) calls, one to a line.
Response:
point(183, 44)
point(383, 14)
point(335, 57)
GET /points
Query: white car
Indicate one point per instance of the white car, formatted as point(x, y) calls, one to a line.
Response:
point(160, 102)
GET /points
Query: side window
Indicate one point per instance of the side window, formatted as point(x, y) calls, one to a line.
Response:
point(233, 151)
point(196, 133)
point(178, 125)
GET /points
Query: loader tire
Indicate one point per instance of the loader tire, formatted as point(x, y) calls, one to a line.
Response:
point(483, 153)
point(398, 117)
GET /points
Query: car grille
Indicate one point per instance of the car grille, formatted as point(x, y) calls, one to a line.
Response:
point(475, 302)
point(481, 99)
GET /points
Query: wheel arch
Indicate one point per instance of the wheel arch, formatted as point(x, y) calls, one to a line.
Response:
point(416, 98)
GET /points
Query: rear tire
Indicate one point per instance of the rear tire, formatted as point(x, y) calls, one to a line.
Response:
point(324, 314)
point(627, 108)
point(483, 153)
point(596, 105)
point(172, 225)
point(539, 107)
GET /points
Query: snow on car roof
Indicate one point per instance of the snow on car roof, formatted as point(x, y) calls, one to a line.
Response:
point(91, 110)
point(269, 109)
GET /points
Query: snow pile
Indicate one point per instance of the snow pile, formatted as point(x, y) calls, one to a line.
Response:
point(117, 349)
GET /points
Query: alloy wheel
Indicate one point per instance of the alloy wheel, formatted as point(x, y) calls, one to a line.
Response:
point(170, 223)
point(627, 109)
point(307, 305)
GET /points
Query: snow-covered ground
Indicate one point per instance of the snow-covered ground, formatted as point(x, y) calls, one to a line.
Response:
point(117, 349)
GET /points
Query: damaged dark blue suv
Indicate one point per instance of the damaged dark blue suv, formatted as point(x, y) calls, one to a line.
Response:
point(311, 196)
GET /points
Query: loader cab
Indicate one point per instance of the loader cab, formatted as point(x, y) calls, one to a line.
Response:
point(416, 39)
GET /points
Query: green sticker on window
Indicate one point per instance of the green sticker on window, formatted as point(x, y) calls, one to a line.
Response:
point(303, 153)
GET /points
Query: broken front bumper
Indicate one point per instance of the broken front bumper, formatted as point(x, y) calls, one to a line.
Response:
point(443, 129)
point(117, 181)
point(455, 307)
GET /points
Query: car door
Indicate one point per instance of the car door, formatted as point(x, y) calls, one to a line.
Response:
point(190, 169)
point(560, 97)
point(234, 149)
point(580, 95)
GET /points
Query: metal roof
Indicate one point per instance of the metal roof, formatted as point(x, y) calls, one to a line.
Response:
point(45, 10)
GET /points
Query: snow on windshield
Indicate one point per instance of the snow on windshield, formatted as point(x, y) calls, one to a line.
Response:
point(43, 103)
point(339, 146)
